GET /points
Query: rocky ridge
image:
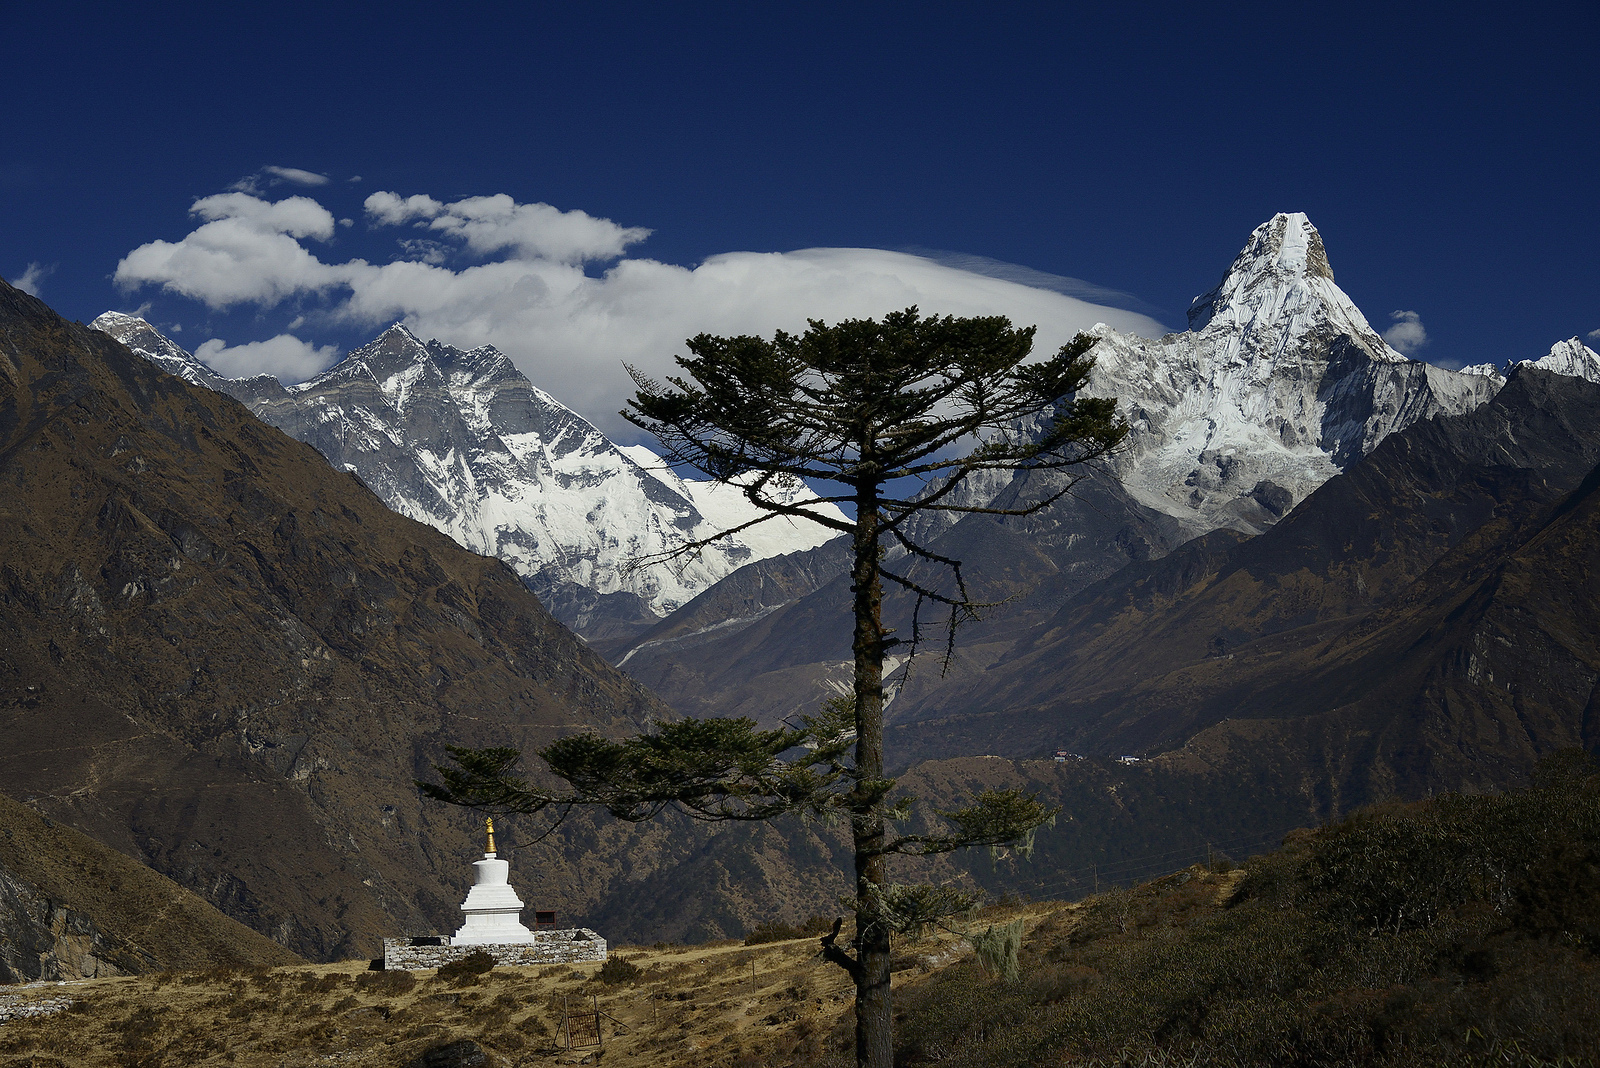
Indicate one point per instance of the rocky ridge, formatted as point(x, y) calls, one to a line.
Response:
point(462, 441)
point(1384, 600)
point(70, 908)
point(1570, 357)
point(1278, 385)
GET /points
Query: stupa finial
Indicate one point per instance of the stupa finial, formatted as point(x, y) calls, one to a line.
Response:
point(489, 822)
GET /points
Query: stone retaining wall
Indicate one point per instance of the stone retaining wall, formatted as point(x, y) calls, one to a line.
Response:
point(571, 946)
point(24, 1006)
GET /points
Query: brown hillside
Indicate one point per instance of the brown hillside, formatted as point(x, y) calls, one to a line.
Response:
point(227, 660)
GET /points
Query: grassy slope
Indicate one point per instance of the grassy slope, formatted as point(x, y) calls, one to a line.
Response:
point(1460, 930)
point(693, 1006)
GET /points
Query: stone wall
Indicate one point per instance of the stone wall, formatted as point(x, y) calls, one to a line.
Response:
point(571, 946)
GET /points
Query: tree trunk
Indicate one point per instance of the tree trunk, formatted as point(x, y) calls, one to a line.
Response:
point(874, 1036)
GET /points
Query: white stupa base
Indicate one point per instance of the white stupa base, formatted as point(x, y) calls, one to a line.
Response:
point(489, 928)
point(494, 926)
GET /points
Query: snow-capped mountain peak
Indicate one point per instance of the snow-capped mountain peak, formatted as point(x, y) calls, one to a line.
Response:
point(1278, 384)
point(1280, 284)
point(1570, 357)
point(461, 440)
point(150, 343)
point(1282, 251)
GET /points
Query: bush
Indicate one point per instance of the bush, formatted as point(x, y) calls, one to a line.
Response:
point(617, 971)
point(468, 968)
point(386, 984)
point(321, 984)
point(778, 931)
point(1460, 930)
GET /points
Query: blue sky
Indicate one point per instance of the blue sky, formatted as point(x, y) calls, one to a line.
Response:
point(1447, 153)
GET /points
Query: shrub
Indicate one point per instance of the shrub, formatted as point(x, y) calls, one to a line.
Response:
point(1461, 930)
point(468, 968)
point(386, 984)
point(619, 970)
point(321, 984)
point(997, 949)
point(778, 931)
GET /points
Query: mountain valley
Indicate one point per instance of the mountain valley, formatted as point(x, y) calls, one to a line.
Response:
point(228, 661)
point(1320, 575)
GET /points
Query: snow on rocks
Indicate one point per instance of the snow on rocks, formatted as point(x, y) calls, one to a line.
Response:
point(1278, 384)
point(1570, 357)
point(462, 441)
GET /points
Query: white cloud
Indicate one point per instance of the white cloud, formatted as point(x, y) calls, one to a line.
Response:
point(1594, 335)
point(297, 176)
point(1012, 272)
point(33, 276)
point(296, 216)
point(269, 176)
point(1407, 334)
point(497, 223)
point(570, 331)
point(421, 248)
point(247, 252)
point(391, 209)
point(285, 357)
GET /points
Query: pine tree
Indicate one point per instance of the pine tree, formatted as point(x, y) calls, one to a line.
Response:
point(870, 407)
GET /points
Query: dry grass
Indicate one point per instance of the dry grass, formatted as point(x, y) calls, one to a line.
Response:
point(719, 1004)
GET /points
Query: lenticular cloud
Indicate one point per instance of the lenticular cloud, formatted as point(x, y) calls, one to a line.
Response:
point(490, 271)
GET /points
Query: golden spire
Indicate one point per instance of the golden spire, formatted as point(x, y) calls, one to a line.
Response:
point(489, 821)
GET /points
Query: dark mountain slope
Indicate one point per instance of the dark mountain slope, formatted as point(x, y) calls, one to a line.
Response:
point(1354, 641)
point(229, 661)
point(773, 639)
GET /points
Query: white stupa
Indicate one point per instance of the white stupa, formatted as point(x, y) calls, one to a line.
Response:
point(494, 912)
